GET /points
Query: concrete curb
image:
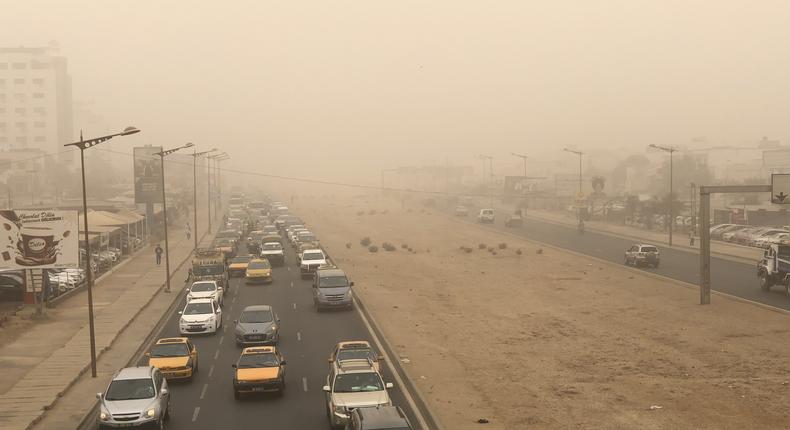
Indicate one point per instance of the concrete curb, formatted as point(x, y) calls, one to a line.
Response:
point(101, 351)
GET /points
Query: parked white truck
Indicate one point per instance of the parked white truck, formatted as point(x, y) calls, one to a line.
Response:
point(774, 268)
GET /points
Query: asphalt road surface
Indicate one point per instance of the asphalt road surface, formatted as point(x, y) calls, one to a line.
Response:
point(737, 279)
point(306, 339)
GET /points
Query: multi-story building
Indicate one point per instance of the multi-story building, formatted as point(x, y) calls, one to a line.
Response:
point(35, 101)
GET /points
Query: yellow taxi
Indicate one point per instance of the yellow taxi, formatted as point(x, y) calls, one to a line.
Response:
point(259, 270)
point(237, 266)
point(259, 369)
point(175, 357)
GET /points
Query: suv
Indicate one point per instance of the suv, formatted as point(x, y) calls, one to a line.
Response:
point(273, 251)
point(353, 384)
point(354, 350)
point(205, 290)
point(310, 260)
point(331, 289)
point(486, 216)
point(136, 397)
point(379, 418)
point(642, 254)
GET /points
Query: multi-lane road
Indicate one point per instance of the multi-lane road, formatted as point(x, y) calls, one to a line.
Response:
point(727, 276)
point(306, 339)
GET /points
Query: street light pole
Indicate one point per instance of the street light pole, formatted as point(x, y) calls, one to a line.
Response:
point(83, 145)
point(523, 157)
point(490, 159)
point(218, 186)
point(195, 155)
point(671, 211)
point(164, 209)
point(579, 153)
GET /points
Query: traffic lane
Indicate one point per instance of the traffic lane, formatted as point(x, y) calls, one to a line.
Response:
point(738, 279)
point(307, 338)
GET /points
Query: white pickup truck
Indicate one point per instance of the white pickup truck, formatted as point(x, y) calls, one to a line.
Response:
point(310, 260)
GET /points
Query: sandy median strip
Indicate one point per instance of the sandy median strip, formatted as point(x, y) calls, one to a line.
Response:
point(551, 340)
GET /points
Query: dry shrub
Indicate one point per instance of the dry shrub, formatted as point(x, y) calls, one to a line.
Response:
point(373, 248)
point(365, 241)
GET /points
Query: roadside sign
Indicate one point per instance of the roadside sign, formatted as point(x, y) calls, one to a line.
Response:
point(780, 188)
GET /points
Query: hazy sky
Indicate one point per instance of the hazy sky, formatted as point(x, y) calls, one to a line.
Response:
point(330, 88)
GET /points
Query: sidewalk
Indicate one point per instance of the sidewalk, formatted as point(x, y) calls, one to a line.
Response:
point(721, 249)
point(43, 363)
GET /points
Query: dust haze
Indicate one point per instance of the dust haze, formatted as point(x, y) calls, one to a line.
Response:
point(339, 90)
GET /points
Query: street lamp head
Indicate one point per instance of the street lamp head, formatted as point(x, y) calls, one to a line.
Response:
point(188, 145)
point(130, 130)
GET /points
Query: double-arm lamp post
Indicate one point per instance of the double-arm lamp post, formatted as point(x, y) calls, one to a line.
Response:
point(195, 156)
point(216, 158)
point(83, 145)
point(164, 209)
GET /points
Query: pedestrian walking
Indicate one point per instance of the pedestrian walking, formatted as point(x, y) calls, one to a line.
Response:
point(188, 231)
point(158, 251)
point(691, 238)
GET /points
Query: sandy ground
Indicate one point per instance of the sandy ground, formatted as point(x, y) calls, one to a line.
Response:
point(550, 339)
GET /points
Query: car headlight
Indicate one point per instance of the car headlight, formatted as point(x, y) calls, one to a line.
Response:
point(104, 416)
point(150, 413)
point(273, 327)
point(189, 362)
point(349, 294)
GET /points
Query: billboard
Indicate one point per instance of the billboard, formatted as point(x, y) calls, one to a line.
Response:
point(147, 175)
point(519, 185)
point(39, 239)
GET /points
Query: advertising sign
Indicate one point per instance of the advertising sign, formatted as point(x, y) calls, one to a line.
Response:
point(40, 239)
point(147, 175)
point(518, 185)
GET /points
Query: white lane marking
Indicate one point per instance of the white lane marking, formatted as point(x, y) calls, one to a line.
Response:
point(298, 336)
point(221, 338)
point(294, 306)
point(216, 355)
point(289, 268)
point(304, 383)
point(203, 393)
point(195, 414)
point(234, 299)
point(292, 283)
point(211, 371)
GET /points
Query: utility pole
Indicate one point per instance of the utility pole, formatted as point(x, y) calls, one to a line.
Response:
point(580, 154)
point(671, 212)
point(195, 155)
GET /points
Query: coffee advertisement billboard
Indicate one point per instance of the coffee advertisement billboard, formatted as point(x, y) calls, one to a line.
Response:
point(147, 175)
point(39, 239)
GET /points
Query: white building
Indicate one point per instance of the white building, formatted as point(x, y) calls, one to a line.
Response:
point(35, 101)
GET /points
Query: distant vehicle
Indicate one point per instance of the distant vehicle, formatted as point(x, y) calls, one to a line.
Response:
point(774, 267)
point(378, 418)
point(353, 384)
point(355, 350)
point(270, 229)
point(175, 357)
point(761, 238)
point(257, 325)
point(486, 216)
point(639, 253)
point(135, 397)
point(514, 220)
point(331, 289)
point(259, 369)
point(200, 316)
point(461, 211)
point(258, 270)
point(208, 264)
point(310, 260)
point(273, 251)
point(729, 232)
point(205, 290)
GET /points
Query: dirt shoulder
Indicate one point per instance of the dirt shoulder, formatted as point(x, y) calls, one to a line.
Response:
point(547, 339)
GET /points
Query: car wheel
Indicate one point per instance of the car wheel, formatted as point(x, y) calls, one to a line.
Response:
point(167, 412)
point(625, 261)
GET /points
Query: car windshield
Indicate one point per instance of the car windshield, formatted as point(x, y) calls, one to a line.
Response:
point(358, 382)
point(217, 269)
point(241, 260)
point(332, 281)
point(202, 287)
point(253, 317)
point(313, 256)
point(198, 309)
point(272, 246)
point(649, 249)
point(784, 252)
point(268, 359)
point(356, 353)
point(223, 242)
point(262, 264)
point(130, 389)
point(170, 350)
